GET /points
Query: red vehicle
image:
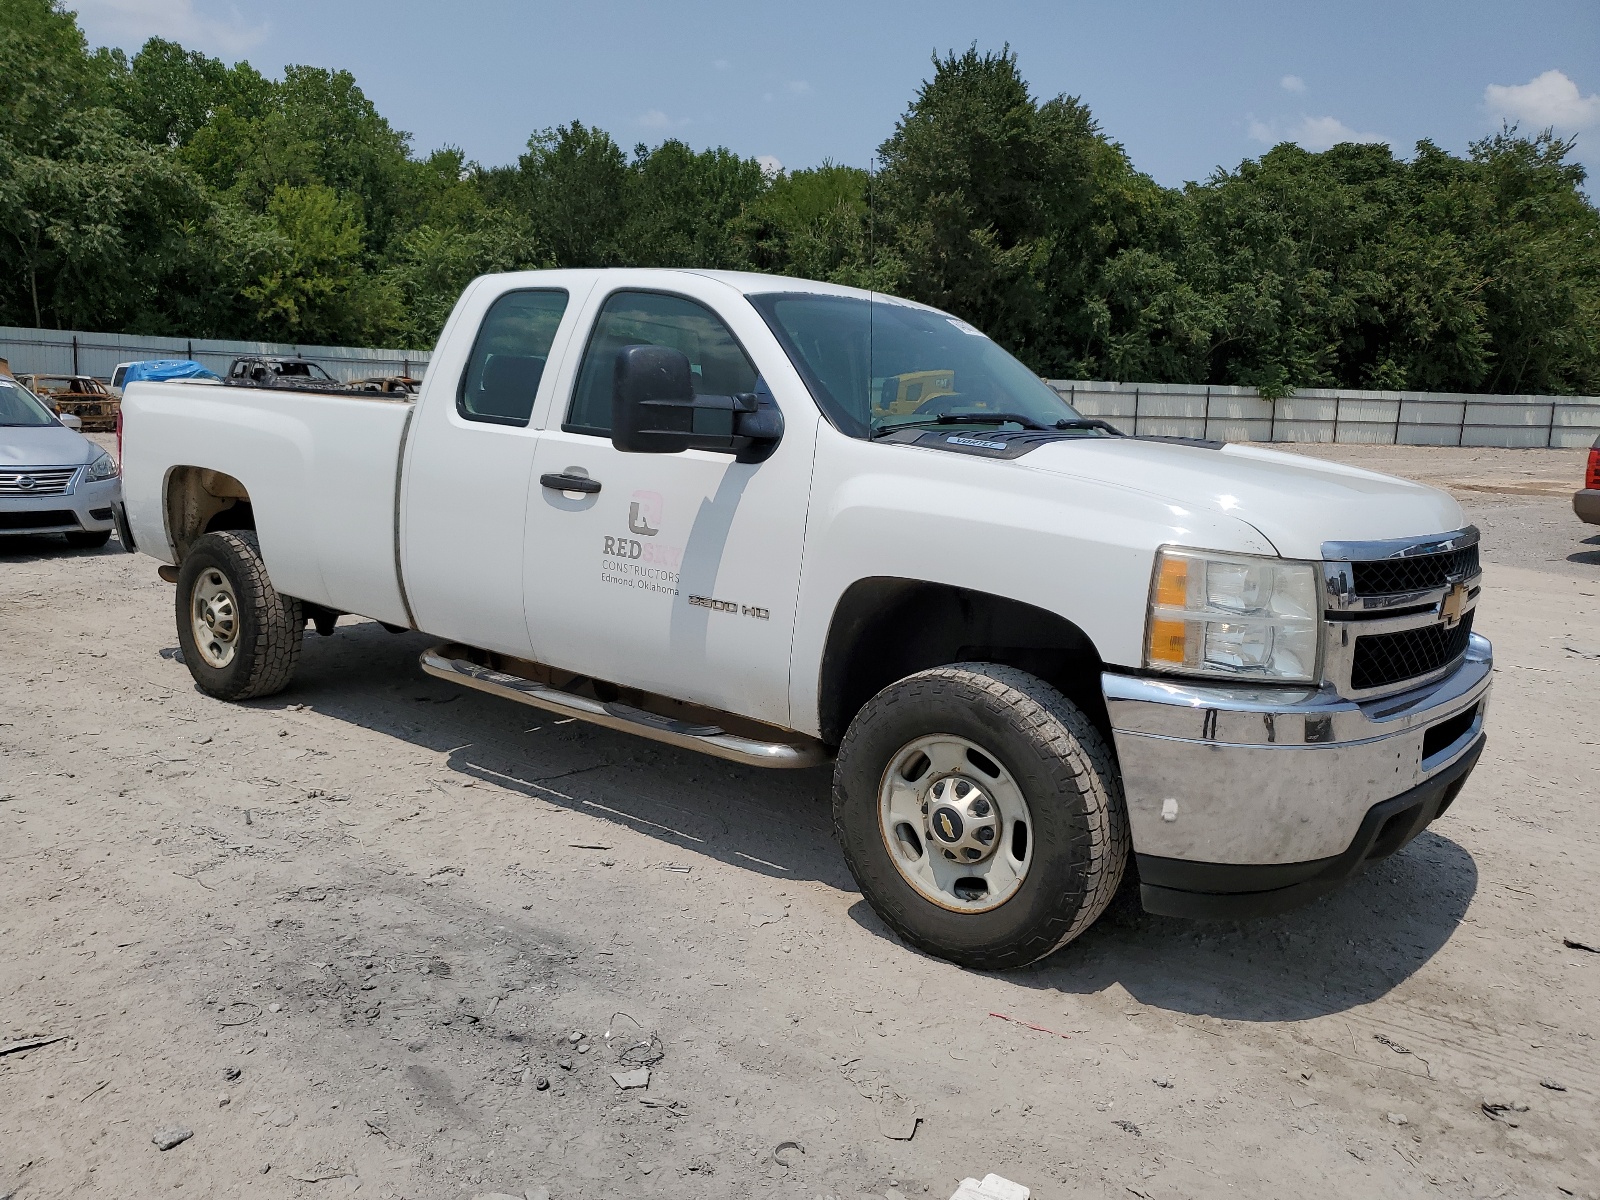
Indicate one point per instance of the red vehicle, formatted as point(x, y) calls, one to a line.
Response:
point(1587, 502)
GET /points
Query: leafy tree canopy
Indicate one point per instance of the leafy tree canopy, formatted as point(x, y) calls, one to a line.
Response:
point(174, 193)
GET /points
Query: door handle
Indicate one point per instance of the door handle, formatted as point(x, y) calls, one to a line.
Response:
point(563, 482)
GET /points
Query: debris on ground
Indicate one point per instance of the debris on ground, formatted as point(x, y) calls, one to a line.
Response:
point(991, 1187)
point(1030, 1025)
point(637, 1078)
point(897, 1118)
point(786, 1154)
point(1161, 1081)
point(1591, 944)
point(176, 1135)
point(1129, 1127)
point(29, 1044)
point(1396, 1119)
point(1502, 1109)
point(1552, 1085)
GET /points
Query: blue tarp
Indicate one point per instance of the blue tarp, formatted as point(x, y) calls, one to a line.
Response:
point(167, 368)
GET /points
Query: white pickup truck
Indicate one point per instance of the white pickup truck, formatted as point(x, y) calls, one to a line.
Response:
point(789, 523)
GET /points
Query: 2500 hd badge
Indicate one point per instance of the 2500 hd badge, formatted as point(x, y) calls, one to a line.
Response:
point(731, 606)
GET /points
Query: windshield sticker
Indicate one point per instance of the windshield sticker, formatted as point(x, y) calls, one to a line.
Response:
point(964, 327)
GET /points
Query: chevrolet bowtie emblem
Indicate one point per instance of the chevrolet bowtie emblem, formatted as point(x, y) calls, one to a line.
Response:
point(1453, 605)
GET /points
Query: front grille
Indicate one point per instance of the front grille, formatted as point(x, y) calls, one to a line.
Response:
point(44, 518)
point(51, 482)
point(1391, 576)
point(1382, 659)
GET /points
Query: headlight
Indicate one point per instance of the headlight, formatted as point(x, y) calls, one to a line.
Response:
point(102, 467)
point(1234, 615)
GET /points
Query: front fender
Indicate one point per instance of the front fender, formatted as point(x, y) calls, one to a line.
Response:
point(1082, 549)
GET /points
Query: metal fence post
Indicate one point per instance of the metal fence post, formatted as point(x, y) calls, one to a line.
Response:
point(1550, 429)
point(1135, 412)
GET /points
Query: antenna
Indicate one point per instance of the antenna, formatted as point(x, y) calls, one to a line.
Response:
point(872, 279)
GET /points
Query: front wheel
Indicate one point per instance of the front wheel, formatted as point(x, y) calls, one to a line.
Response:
point(240, 637)
point(981, 814)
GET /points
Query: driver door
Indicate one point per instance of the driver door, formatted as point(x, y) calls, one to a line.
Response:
point(676, 573)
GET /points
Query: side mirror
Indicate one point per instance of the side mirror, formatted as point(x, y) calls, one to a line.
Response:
point(654, 410)
point(652, 401)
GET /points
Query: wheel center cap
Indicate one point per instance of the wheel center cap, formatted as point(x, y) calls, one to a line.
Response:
point(962, 820)
point(947, 825)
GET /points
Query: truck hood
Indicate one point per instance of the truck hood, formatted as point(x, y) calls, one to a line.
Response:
point(1294, 501)
point(43, 446)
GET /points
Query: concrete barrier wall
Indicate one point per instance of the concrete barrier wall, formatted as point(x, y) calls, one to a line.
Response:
point(72, 352)
point(1236, 414)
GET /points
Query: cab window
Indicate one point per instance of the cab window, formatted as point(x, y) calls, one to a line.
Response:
point(509, 356)
point(718, 363)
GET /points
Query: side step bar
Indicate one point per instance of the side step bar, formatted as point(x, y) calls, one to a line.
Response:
point(450, 662)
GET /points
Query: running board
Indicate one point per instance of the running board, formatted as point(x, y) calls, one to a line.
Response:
point(450, 662)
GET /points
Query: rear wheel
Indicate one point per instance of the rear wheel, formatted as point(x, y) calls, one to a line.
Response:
point(981, 813)
point(240, 637)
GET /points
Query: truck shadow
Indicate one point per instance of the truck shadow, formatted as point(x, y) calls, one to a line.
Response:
point(1335, 954)
point(777, 823)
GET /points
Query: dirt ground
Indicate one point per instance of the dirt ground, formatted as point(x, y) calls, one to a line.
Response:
point(343, 934)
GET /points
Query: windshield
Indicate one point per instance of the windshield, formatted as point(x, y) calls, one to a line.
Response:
point(879, 365)
point(18, 406)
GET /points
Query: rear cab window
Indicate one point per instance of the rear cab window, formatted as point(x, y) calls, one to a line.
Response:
point(508, 358)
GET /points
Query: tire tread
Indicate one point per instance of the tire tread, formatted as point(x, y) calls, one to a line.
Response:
point(1058, 727)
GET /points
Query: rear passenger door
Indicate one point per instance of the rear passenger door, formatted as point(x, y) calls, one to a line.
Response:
point(470, 457)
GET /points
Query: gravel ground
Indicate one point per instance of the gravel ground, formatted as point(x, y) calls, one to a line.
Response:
point(343, 935)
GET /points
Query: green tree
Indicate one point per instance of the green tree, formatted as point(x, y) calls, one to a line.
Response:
point(315, 287)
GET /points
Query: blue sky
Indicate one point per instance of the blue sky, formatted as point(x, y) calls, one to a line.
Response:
point(1184, 87)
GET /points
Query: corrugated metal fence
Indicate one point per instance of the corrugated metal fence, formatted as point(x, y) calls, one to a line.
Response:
point(1232, 414)
point(72, 352)
point(1237, 414)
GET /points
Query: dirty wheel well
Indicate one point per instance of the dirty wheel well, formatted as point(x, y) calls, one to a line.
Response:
point(201, 501)
point(885, 629)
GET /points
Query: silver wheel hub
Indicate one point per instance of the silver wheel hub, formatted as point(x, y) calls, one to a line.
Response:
point(962, 821)
point(956, 824)
point(215, 618)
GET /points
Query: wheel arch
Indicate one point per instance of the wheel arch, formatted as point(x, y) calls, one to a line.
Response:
point(885, 628)
point(199, 500)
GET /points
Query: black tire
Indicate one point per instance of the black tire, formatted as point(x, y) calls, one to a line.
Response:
point(88, 539)
point(270, 626)
point(1066, 773)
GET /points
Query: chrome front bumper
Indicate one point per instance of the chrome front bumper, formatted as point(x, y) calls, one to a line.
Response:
point(1273, 786)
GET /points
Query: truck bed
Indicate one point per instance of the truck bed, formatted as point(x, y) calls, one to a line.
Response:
point(320, 469)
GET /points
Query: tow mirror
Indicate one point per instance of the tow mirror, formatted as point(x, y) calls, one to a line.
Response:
point(654, 410)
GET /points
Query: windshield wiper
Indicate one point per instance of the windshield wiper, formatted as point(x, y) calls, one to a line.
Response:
point(964, 419)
